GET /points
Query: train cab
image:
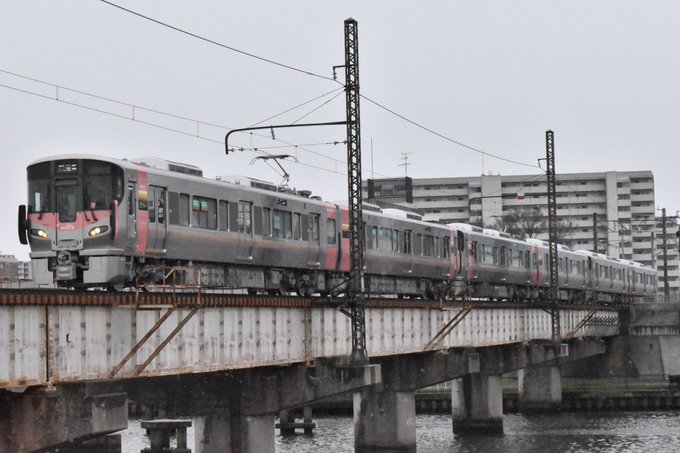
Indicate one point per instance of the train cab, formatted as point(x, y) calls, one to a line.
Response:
point(70, 218)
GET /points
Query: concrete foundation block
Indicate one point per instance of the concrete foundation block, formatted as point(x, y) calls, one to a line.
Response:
point(232, 433)
point(540, 389)
point(384, 421)
point(477, 404)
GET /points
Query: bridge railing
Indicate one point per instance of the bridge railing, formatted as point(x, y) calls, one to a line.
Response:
point(602, 386)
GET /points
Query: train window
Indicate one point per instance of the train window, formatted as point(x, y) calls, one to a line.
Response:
point(502, 256)
point(297, 231)
point(619, 274)
point(436, 247)
point(473, 250)
point(103, 183)
point(67, 199)
point(315, 228)
point(374, 237)
point(534, 260)
point(244, 217)
point(428, 245)
point(385, 239)
point(184, 209)
point(395, 241)
point(515, 258)
point(204, 213)
point(419, 243)
point(407, 241)
point(527, 259)
point(38, 186)
point(224, 215)
point(330, 231)
point(282, 224)
point(266, 222)
point(445, 246)
point(487, 254)
point(131, 200)
point(151, 204)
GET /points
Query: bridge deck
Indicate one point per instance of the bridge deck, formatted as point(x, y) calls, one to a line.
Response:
point(57, 336)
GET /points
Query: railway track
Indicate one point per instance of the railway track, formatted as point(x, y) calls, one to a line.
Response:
point(144, 299)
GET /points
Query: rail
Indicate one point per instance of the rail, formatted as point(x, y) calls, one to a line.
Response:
point(215, 298)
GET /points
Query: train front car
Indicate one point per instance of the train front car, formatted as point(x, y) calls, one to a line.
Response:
point(70, 221)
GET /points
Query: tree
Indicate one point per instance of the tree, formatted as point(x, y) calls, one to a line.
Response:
point(529, 222)
point(522, 222)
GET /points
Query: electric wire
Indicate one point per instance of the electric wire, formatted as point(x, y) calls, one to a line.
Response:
point(332, 79)
point(233, 49)
point(317, 108)
point(295, 107)
point(444, 137)
point(338, 164)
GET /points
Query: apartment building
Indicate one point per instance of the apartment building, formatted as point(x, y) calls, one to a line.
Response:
point(611, 211)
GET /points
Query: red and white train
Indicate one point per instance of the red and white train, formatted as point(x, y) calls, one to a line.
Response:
point(93, 221)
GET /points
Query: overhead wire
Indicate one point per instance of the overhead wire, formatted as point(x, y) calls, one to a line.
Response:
point(296, 107)
point(317, 108)
point(202, 38)
point(313, 74)
point(61, 89)
point(444, 137)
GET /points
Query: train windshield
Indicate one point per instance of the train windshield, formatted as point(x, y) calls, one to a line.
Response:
point(69, 186)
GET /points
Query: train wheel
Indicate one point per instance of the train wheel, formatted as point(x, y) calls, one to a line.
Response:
point(252, 291)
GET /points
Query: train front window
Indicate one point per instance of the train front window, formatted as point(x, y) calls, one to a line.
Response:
point(38, 188)
point(103, 183)
point(67, 200)
point(54, 186)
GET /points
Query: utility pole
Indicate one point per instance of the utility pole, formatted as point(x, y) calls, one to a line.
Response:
point(666, 288)
point(356, 281)
point(552, 235)
point(595, 247)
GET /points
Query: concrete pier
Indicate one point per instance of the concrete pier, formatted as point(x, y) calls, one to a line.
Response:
point(384, 421)
point(540, 389)
point(222, 432)
point(35, 419)
point(477, 404)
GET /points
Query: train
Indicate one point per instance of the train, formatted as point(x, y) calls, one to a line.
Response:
point(98, 222)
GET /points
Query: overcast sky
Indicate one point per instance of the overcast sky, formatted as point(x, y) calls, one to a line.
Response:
point(492, 75)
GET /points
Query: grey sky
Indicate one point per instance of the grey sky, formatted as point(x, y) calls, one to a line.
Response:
point(493, 75)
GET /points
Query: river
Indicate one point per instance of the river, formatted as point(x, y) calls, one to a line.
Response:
point(601, 432)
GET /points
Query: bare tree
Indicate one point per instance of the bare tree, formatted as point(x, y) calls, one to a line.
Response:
point(522, 222)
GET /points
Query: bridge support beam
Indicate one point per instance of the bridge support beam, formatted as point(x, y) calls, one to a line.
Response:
point(477, 403)
point(384, 421)
point(222, 432)
point(540, 389)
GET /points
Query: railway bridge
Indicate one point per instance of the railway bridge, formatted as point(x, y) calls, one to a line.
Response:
point(70, 360)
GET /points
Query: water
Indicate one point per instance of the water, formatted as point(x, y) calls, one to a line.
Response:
point(602, 432)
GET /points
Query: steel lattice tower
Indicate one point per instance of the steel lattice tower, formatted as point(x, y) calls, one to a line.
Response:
point(356, 283)
point(552, 235)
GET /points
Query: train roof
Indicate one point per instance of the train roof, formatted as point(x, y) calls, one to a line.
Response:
point(188, 171)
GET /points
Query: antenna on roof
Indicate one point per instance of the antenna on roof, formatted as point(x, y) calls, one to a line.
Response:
point(404, 157)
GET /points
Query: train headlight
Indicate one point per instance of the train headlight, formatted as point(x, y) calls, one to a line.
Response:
point(96, 231)
point(39, 232)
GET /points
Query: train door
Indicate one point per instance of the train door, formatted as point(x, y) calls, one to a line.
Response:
point(314, 241)
point(245, 229)
point(157, 219)
point(132, 213)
